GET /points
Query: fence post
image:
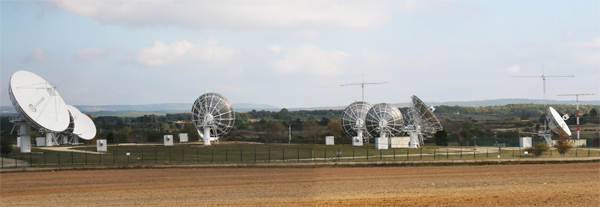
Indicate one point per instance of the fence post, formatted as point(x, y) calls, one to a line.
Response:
point(182, 155)
point(487, 153)
point(155, 154)
point(197, 152)
point(86, 157)
point(100, 159)
point(407, 153)
point(142, 154)
point(269, 154)
point(72, 158)
point(367, 153)
point(353, 153)
point(298, 154)
point(325, 155)
point(394, 153)
point(30, 163)
point(446, 153)
point(43, 153)
point(17, 161)
point(283, 159)
point(421, 152)
point(226, 155)
point(241, 155)
point(433, 153)
point(474, 153)
point(254, 154)
point(170, 149)
point(58, 153)
point(212, 155)
point(380, 155)
point(461, 153)
point(576, 152)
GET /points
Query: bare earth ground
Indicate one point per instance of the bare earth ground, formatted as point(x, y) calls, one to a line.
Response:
point(489, 185)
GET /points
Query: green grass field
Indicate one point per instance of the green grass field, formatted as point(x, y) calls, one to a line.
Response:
point(250, 153)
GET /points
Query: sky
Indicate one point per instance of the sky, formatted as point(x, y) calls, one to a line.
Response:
point(299, 53)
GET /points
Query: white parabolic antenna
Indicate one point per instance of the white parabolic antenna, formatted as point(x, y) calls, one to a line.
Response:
point(83, 126)
point(353, 119)
point(421, 122)
point(38, 102)
point(557, 124)
point(212, 114)
point(384, 120)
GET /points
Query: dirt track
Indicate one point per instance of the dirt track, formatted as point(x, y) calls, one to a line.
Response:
point(490, 185)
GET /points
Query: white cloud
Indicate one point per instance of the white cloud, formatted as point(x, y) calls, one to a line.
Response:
point(584, 53)
point(514, 69)
point(309, 59)
point(36, 55)
point(188, 55)
point(92, 53)
point(287, 15)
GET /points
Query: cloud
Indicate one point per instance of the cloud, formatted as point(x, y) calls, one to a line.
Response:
point(188, 55)
point(514, 69)
point(309, 59)
point(583, 53)
point(93, 53)
point(286, 15)
point(36, 55)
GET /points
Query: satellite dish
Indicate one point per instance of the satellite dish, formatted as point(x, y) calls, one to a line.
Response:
point(38, 102)
point(83, 126)
point(384, 120)
point(557, 124)
point(212, 114)
point(421, 122)
point(353, 120)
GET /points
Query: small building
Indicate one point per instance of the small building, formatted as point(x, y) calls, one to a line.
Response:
point(168, 140)
point(329, 140)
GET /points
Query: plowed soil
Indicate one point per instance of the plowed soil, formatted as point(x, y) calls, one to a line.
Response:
point(489, 185)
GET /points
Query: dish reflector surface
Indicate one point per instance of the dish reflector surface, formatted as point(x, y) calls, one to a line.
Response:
point(215, 111)
point(38, 102)
point(384, 117)
point(557, 124)
point(353, 117)
point(83, 126)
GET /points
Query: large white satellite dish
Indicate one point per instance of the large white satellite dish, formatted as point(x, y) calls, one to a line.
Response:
point(353, 121)
point(212, 114)
point(556, 124)
point(38, 104)
point(421, 122)
point(384, 120)
point(83, 126)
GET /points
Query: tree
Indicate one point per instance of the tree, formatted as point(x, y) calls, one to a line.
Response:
point(441, 138)
point(6, 145)
point(563, 144)
point(593, 113)
point(313, 130)
point(334, 128)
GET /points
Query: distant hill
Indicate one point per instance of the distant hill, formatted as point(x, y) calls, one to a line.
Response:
point(161, 109)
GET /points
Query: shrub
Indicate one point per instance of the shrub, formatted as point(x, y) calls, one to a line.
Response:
point(538, 149)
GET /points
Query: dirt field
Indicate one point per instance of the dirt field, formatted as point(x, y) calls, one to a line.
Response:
point(490, 185)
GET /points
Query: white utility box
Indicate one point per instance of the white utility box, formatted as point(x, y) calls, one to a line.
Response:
point(399, 142)
point(18, 141)
point(101, 145)
point(183, 137)
point(168, 140)
point(329, 140)
point(40, 141)
point(525, 142)
point(381, 143)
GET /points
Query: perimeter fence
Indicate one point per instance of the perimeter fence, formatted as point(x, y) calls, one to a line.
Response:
point(262, 153)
